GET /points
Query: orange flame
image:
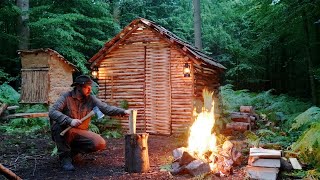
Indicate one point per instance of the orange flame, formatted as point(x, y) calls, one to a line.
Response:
point(202, 142)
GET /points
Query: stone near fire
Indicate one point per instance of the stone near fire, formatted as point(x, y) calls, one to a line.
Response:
point(198, 167)
point(186, 158)
point(177, 153)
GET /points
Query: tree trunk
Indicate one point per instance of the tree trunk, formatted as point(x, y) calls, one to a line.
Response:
point(22, 26)
point(309, 59)
point(197, 24)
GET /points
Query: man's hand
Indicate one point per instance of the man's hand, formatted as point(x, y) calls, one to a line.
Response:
point(75, 122)
point(127, 111)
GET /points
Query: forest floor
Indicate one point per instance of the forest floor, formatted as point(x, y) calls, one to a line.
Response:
point(30, 158)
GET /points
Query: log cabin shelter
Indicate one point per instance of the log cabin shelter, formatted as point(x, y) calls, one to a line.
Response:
point(157, 73)
point(45, 75)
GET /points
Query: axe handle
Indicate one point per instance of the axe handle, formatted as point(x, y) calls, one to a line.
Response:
point(91, 113)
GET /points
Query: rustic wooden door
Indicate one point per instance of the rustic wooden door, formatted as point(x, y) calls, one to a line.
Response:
point(157, 90)
point(34, 86)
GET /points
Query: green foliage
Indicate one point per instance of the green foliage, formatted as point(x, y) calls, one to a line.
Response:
point(281, 109)
point(307, 118)
point(112, 134)
point(94, 128)
point(308, 144)
point(8, 95)
point(124, 104)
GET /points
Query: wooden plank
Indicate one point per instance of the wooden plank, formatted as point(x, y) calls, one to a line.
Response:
point(258, 162)
point(295, 163)
point(26, 115)
point(262, 173)
point(265, 153)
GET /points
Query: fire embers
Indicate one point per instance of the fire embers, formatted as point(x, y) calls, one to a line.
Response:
point(220, 163)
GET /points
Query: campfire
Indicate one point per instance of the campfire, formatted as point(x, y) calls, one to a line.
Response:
point(203, 155)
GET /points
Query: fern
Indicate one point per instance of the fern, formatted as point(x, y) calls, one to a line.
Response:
point(309, 117)
point(94, 128)
point(309, 144)
point(8, 94)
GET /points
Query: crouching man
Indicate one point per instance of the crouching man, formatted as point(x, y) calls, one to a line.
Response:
point(67, 111)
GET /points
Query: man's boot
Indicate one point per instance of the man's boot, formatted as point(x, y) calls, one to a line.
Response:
point(66, 164)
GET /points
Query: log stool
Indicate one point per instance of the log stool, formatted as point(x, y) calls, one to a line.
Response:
point(136, 153)
point(136, 148)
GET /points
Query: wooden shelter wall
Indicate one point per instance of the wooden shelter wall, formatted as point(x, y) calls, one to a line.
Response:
point(60, 78)
point(34, 87)
point(37, 60)
point(122, 77)
point(181, 94)
point(205, 78)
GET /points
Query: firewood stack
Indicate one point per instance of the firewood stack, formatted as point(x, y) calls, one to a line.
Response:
point(243, 120)
point(263, 163)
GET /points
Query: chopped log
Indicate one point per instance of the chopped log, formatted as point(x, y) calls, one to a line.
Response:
point(26, 115)
point(273, 163)
point(9, 108)
point(238, 126)
point(262, 173)
point(132, 121)
point(3, 107)
point(265, 153)
point(8, 173)
point(136, 153)
point(240, 117)
point(247, 109)
point(295, 163)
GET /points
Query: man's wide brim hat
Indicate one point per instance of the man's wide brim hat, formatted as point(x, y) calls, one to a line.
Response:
point(82, 80)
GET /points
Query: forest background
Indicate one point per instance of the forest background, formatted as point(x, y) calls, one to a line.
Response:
point(270, 47)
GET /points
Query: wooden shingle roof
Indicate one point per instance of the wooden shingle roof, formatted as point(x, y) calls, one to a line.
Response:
point(50, 52)
point(186, 47)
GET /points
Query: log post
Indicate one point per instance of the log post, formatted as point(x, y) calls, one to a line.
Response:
point(136, 153)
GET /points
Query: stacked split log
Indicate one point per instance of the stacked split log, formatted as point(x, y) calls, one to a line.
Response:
point(244, 120)
point(263, 163)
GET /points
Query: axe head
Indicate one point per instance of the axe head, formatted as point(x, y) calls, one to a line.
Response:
point(98, 113)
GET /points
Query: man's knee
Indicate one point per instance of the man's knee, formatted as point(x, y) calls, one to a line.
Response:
point(100, 144)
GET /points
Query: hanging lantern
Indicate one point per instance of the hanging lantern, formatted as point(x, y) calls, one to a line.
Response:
point(95, 72)
point(186, 70)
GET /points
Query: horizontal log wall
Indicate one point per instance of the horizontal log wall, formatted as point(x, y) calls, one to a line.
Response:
point(122, 77)
point(206, 77)
point(181, 94)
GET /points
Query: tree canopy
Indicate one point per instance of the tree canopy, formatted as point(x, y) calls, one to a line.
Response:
point(264, 44)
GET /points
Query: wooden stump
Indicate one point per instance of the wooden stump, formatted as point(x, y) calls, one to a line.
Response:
point(136, 153)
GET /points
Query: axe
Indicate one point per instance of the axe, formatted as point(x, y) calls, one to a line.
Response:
point(95, 111)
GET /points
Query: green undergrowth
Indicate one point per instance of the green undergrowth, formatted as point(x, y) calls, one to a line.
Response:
point(286, 122)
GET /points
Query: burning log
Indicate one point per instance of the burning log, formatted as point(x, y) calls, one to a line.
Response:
point(238, 126)
point(136, 153)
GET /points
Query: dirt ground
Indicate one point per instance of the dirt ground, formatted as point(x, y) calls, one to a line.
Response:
point(30, 158)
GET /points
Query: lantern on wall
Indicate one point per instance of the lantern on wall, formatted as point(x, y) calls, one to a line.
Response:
point(95, 72)
point(186, 70)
